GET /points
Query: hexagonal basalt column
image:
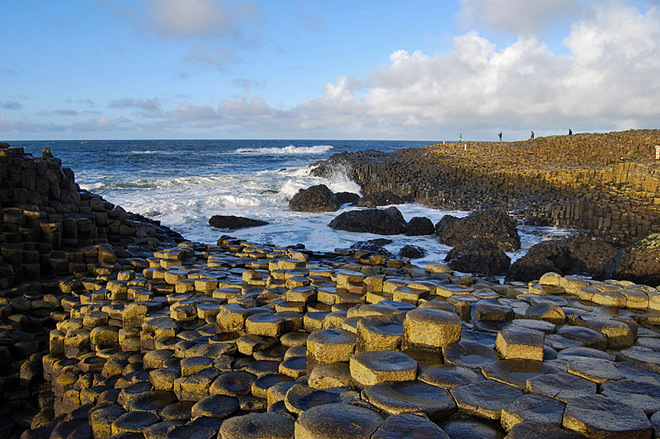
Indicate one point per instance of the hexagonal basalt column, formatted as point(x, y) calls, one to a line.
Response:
point(329, 346)
point(430, 328)
point(371, 368)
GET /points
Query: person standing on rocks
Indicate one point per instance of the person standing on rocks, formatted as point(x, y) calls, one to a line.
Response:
point(532, 138)
point(460, 137)
point(500, 136)
point(570, 132)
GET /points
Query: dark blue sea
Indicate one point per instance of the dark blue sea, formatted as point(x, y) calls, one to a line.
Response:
point(182, 183)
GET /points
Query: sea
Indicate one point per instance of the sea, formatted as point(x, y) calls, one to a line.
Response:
point(182, 183)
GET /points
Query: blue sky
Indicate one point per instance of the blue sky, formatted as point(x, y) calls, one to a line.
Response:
point(427, 70)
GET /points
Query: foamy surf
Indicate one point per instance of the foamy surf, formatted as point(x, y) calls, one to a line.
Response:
point(290, 149)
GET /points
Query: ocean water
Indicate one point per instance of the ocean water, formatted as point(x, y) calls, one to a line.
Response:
point(182, 183)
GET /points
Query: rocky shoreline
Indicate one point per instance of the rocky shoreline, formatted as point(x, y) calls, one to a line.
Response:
point(608, 184)
point(113, 326)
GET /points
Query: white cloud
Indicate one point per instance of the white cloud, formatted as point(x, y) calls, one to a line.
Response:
point(606, 79)
point(519, 16)
point(196, 18)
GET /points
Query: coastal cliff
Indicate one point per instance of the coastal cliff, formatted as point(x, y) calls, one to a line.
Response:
point(608, 184)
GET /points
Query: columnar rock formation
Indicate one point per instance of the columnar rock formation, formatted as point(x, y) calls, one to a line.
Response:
point(605, 183)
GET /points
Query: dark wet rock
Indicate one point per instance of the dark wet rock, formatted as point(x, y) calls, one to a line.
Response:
point(408, 426)
point(561, 386)
point(410, 251)
point(469, 354)
point(411, 397)
point(489, 225)
point(532, 408)
point(485, 399)
point(314, 199)
point(384, 198)
point(600, 416)
point(347, 198)
point(573, 255)
point(483, 258)
point(232, 222)
point(419, 226)
point(381, 222)
point(374, 246)
point(448, 376)
point(257, 425)
point(645, 396)
point(471, 428)
point(534, 430)
point(337, 421)
point(639, 262)
point(516, 372)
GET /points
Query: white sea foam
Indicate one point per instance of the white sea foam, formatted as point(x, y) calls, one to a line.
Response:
point(285, 150)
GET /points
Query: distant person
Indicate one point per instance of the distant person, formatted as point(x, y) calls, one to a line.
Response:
point(532, 138)
point(570, 132)
point(460, 137)
point(500, 135)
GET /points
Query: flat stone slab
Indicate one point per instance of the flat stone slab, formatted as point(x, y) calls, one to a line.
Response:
point(517, 372)
point(257, 425)
point(215, 406)
point(448, 377)
point(533, 430)
point(471, 428)
point(469, 354)
point(337, 421)
point(600, 416)
point(300, 398)
point(596, 370)
point(408, 426)
point(645, 396)
point(411, 397)
point(485, 399)
point(534, 409)
point(373, 367)
point(561, 386)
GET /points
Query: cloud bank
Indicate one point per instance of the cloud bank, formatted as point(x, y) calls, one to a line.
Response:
point(605, 78)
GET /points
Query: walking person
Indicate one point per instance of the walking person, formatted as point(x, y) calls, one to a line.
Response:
point(532, 138)
point(500, 135)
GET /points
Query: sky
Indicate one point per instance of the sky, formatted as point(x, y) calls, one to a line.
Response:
point(295, 69)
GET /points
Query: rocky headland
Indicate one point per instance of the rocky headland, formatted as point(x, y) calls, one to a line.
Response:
point(112, 326)
point(608, 184)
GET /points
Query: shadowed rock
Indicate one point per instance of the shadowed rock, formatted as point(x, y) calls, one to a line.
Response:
point(382, 222)
point(384, 198)
point(232, 222)
point(478, 257)
point(488, 226)
point(314, 199)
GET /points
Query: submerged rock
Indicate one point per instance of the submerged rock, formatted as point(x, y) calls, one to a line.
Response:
point(232, 222)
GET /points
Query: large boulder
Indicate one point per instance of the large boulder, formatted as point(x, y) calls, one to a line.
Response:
point(483, 258)
point(314, 199)
point(419, 226)
point(381, 222)
point(384, 198)
point(347, 198)
point(488, 226)
point(580, 254)
point(410, 251)
point(639, 262)
point(232, 222)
